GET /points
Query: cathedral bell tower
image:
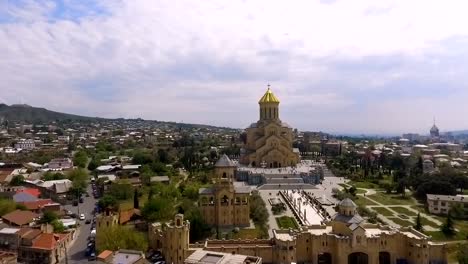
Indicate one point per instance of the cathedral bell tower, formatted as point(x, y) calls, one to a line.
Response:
point(269, 106)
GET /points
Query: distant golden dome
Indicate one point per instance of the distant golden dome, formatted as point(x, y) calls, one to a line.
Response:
point(268, 97)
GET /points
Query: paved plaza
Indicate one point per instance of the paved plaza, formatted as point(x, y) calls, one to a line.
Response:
point(322, 191)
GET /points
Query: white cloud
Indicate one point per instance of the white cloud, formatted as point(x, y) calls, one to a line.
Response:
point(209, 61)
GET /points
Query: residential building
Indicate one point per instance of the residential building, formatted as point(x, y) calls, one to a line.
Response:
point(45, 248)
point(20, 218)
point(224, 204)
point(441, 204)
point(269, 141)
point(428, 166)
point(60, 164)
point(27, 144)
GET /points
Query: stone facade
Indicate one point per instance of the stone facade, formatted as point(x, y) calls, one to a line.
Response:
point(225, 205)
point(269, 141)
point(172, 239)
point(345, 239)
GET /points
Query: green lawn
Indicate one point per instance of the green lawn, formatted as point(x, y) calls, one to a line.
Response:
point(363, 201)
point(401, 222)
point(383, 211)
point(426, 221)
point(286, 222)
point(246, 234)
point(363, 184)
point(361, 191)
point(403, 210)
point(461, 234)
point(392, 199)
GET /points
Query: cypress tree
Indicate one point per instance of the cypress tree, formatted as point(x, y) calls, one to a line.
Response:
point(136, 203)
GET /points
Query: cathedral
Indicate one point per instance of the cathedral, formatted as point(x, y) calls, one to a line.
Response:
point(269, 141)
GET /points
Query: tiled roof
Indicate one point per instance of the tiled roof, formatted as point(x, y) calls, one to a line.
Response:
point(105, 254)
point(34, 205)
point(20, 218)
point(46, 241)
point(24, 197)
point(29, 233)
point(33, 191)
point(225, 161)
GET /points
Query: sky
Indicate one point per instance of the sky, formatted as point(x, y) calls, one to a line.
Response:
point(338, 66)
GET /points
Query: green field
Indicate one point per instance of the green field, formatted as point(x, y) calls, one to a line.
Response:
point(382, 210)
point(390, 199)
point(286, 222)
point(361, 191)
point(403, 210)
point(363, 201)
point(401, 222)
point(247, 234)
point(363, 184)
point(427, 222)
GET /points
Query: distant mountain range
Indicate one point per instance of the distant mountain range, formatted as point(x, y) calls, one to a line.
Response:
point(36, 115)
point(29, 114)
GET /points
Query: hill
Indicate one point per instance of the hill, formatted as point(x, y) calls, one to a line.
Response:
point(29, 114)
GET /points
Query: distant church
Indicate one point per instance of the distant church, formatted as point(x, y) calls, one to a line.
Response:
point(434, 131)
point(269, 141)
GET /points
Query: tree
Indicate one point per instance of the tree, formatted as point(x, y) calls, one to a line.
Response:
point(118, 237)
point(158, 209)
point(7, 206)
point(107, 201)
point(457, 211)
point(136, 203)
point(58, 226)
point(259, 213)
point(79, 179)
point(48, 217)
point(418, 225)
point(150, 194)
point(462, 253)
point(199, 230)
point(121, 190)
point(447, 228)
point(17, 180)
point(142, 158)
point(49, 176)
point(93, 164)
point(80, 159)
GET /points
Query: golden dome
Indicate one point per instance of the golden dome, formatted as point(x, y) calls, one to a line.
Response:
point(268, 97)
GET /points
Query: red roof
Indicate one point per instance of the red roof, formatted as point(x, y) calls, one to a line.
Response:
point(105, 254)
point(33, 191)
point(34, 205)
point(20, 218)
point(47, 241)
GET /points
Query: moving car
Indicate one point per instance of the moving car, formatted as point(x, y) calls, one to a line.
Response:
point(88, 221)
point(82, 217)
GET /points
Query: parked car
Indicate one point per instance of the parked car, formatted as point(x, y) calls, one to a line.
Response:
point(82, 217)
point(88, 221)
point(92, 256)
point(75, 203)
point(81, 199)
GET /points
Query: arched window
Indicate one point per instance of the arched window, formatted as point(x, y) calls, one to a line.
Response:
point(225, 200)
point(224, 175)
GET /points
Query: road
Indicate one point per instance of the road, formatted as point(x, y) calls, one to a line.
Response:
point(76, 253)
